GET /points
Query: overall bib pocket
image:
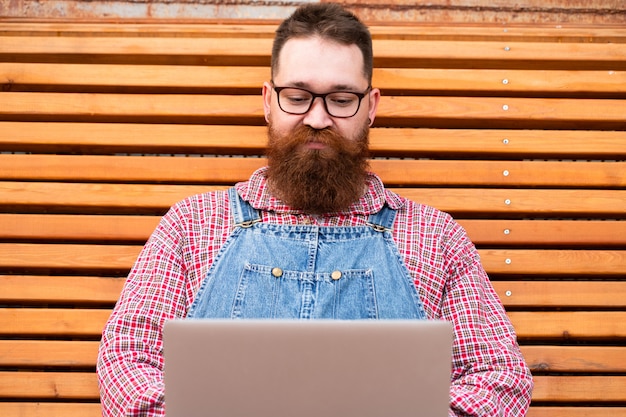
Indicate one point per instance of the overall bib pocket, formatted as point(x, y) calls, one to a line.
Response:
point(266, 291)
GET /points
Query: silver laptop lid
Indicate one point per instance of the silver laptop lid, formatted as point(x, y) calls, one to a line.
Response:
point(289, 368)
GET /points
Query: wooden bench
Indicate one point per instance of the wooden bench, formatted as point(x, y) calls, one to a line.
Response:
point(519, 132)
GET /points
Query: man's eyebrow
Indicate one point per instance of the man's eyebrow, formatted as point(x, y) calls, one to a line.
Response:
point(336, 87)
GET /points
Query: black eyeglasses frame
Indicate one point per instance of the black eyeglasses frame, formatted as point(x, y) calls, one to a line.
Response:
point(323, 97)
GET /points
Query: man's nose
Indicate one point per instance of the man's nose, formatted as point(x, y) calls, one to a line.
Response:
point(317, 117)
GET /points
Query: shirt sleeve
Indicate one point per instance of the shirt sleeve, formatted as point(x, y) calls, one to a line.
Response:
point(489, 374)
point(130, 359)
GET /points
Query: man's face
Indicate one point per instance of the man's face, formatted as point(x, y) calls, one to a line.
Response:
point(320, 66)
point(317, 162)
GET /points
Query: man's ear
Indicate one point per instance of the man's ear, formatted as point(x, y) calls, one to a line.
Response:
point(267, 100)
point(374, 98)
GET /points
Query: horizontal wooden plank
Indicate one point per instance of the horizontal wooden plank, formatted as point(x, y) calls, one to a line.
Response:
point(509, 54)
point(540, 359)
point(584, 359)
point(130, 28)
point(129, 168)
point(68, 256)
point(536, 233)
point(60, 77)
point(74, 385)
point(147, 107)
point(255, 51)
point(50, 409)
point(547, 389)
point(547, 325)
point(422, 111)
point(553, 262)
point(60, 227)
point(59, 137)
point(397, 30)
point(43, 409)
point(540, 233)
point(49, 385)
point(70, 197)
point(206, 28)
point(139, 138)
point(577, 411)
point(127, 197)
point(600, 389)
point(562, 294)
point(42, 289)
point(496, 261)
point(99, 290)
point(248, 51)
point(60, 322)
point(145, 76)
point(537, 202)
point(502, 82)
point(191, 170)
point(48, 353)
point(506, 143)
point(428, 111)
point(89, 290)
point(569, 325)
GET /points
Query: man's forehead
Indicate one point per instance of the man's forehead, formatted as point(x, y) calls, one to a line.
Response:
point(315, 86)
point(320, 65)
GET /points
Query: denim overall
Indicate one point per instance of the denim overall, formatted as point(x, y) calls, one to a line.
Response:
point(307, 272)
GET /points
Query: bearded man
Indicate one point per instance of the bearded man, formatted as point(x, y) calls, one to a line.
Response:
point(314, 235)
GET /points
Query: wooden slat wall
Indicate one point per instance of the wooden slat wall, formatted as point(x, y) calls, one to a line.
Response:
point(519, 132)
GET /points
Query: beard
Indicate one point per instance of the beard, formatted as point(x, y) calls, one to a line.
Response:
point(317, 181)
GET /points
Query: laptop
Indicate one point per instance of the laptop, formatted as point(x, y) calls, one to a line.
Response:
point(317, 368)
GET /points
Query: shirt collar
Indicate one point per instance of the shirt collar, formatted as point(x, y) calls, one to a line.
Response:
point(257, 193)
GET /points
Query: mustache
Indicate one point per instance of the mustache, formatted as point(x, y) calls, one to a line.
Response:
point(303, 135)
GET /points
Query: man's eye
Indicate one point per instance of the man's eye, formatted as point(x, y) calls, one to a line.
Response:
point(342, 100)
point(296, 97)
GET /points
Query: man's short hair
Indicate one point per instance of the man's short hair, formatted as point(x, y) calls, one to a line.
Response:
point(330, 22)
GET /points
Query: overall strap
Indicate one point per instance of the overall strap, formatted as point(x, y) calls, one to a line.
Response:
point(383, 220)
point(244, 214)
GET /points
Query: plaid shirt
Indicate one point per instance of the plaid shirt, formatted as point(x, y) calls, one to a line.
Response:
point(489, 375)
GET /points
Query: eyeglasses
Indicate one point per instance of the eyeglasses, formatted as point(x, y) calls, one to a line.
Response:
point(337, 103)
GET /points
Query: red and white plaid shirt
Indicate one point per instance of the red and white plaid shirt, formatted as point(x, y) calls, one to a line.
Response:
point(489, 375)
